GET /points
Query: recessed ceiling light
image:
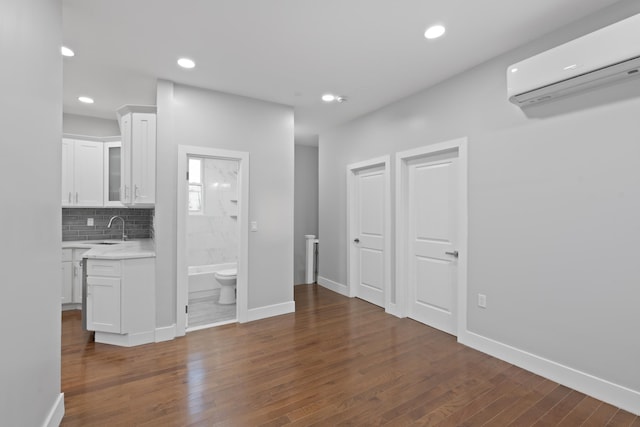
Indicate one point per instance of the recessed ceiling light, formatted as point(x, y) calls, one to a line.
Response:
point(434, 32)
point(514, 70)
point(66, 51)
point(186, 63)
point(85, 99)
point(329, 97)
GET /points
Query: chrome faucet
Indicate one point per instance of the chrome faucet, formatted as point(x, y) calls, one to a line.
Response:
point(124, 236)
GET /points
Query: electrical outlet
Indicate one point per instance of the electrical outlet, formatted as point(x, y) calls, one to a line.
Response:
point(90, 222)
point(482, 301)
point(254, 225)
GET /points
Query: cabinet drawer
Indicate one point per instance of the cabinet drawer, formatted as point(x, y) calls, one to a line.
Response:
point(100, 267)
point(66, 254)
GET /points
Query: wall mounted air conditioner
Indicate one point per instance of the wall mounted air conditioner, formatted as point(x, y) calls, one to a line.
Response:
point(609, 54)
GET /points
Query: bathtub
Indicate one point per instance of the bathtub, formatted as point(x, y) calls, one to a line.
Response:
point(201, 277)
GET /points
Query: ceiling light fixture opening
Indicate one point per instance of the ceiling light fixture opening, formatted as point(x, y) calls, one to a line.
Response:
point(66, 51)
point(85, 99)
point(186, 63)
point(434, 32)
point(329, 97)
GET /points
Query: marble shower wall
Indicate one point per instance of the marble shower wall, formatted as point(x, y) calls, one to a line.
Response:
point(213, 236)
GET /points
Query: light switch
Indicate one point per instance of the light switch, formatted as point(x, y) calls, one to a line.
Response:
point(254, 225)
point(90, 222)
point(482, 301)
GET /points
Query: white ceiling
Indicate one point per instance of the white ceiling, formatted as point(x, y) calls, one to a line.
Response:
point(291, 51)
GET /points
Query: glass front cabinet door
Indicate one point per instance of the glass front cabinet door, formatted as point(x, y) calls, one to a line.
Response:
point(112, 173)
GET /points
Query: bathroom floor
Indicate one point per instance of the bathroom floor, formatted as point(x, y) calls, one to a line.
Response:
point(205, 310)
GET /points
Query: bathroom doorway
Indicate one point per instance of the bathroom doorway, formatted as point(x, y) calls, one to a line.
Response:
point(212, 241)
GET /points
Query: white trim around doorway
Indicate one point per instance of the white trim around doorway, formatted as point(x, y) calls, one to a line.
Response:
point(242, 286)
point(385, 162)
point(402, 158)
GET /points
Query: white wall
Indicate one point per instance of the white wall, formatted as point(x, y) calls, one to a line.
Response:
point(554, 205)
point(306, 204)
point(91, 126)
point(192, 116)
point(31, 111)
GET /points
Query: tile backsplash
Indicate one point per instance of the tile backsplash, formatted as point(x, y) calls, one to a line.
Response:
point(138, 223)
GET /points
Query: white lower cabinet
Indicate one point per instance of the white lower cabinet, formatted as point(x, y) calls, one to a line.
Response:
point(71, 297)
point(67, 280)
point(76, 295)
point(121, 300)
point(103, 304)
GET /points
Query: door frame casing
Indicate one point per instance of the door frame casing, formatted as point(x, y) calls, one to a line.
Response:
point(242, 281)
point(352, 169)
point(401, 276)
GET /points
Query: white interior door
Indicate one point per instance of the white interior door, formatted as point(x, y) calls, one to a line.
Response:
point(432, 194)
point(368, 234)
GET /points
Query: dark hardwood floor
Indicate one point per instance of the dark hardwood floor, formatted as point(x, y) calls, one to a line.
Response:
point(336, 361)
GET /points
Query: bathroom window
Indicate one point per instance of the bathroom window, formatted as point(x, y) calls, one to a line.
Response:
point(196, 196)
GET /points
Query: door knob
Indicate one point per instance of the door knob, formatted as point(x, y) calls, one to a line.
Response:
point(356, 240)
point(454, 253)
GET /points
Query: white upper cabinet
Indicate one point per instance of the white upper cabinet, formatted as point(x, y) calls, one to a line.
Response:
point(67, 172)
point(138, 155)
point(125, 159)
point(82, 169)
point(112, 173)
point(87, 165)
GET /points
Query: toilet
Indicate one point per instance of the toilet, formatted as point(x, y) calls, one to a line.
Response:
point(227, 280)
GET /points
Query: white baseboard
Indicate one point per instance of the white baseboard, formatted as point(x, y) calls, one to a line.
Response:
point(614, 394)
point(125, 340)
point(56, 413)
point(333, 286)
point(394, 310)
point(166, 333)
point(270, 311)
point(198, 328)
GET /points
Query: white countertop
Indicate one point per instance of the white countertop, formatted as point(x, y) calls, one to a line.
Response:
point(144, 248)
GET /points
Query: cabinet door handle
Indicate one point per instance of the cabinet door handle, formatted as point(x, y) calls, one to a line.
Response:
point(69, 197)
point(76, 197)
point(126, 192)
point(135, 192)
